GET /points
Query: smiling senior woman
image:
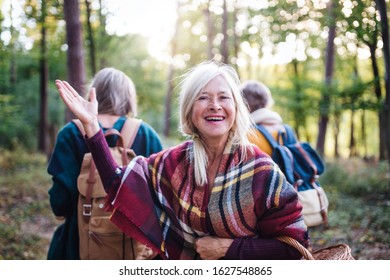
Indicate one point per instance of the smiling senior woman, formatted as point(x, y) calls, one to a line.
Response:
point(214, 196)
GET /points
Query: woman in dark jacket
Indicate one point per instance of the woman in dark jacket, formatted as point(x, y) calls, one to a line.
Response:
point(117, 102)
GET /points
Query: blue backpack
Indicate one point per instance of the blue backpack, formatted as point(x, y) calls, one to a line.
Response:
point(302, 166)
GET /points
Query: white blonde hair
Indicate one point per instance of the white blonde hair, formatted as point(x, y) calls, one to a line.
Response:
point(193, 82)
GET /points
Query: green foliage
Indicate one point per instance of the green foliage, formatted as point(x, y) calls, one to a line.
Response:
point(368, 179)
point(148, 75)
point(19, 160)
point(254, 31)
point(20, 116)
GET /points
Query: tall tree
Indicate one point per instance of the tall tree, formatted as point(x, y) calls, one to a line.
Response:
point(329, 68)
point(224, 45)
point(12, 47)
point(363, 22)
point(75, 57)
point(168, 96)
point(91, 40)
point(382, 8)
point(44, 77)
point(210, 30)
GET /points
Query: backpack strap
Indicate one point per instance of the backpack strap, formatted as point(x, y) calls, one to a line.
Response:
point(289, 136)
point(129, 131)
point(267, 136)
point(87, 205)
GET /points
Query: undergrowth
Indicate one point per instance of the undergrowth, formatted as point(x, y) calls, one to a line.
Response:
point(25, 216)
point(359, 208)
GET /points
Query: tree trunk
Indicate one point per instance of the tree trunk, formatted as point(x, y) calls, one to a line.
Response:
point(44, 77)
point(168, 98)
point(12, 64)
point(224, 45)
point(378, 94)
point(325, 101)
point(210, 31)
point(75, 55)
point(91, 40)
point(352, 141)
point(336, 129)
point(102, 38)
point(364, 135)
point(236, 39)
point(382, 8)
point(298, 116)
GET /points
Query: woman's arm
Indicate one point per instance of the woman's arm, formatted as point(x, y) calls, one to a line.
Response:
point(214, 248)
point(86, 111)
point(278, 213)
point(107, 167)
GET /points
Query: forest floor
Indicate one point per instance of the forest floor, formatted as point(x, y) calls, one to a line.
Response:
point(357, 216)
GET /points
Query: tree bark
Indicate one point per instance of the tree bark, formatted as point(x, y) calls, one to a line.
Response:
point(12, 64)
point(352, 141)
point(224, 45)
point(329, 65)
point(44, 77)
point(210, 31)
point(378, 94)
point(168, 97)
point(91, 40)
point(75, 55)
point(382, 8)
point(336, 128)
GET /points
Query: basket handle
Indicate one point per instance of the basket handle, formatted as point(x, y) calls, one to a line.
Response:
point(292, 242)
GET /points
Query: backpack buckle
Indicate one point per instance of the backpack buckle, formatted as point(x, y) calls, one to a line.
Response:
point(87, 209)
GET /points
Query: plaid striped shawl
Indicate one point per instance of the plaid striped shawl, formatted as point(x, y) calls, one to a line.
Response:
point(158, 203)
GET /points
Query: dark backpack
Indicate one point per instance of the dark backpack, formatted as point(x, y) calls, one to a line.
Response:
point(302, 166)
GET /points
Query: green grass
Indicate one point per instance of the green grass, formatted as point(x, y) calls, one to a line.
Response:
point(358, 193)
point(26, 221)
point(359, 210)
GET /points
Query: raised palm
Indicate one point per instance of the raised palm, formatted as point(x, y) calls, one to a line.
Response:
point(86, 111)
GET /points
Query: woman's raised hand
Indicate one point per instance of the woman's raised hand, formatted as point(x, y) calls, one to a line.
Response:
point(86, 111)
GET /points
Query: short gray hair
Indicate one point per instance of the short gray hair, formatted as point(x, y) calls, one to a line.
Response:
point(257, 95)
point(115, 92)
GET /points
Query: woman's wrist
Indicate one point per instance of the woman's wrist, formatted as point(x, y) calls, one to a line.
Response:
point(91, 128)
point(224, 246)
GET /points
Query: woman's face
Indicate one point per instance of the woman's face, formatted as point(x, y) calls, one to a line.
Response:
point(214, 111)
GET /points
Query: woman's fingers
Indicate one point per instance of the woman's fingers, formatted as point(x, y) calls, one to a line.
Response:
point(63, 92)
point(75, 102)
point(70, 97)
point(66, 88)
point(71, 90)
point(92, 95)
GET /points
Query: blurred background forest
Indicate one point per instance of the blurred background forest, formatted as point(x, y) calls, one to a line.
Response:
point(326, 62)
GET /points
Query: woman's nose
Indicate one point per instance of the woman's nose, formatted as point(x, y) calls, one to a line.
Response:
point(214, 104)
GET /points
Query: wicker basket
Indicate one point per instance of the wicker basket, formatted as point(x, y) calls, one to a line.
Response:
point(336, 252)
